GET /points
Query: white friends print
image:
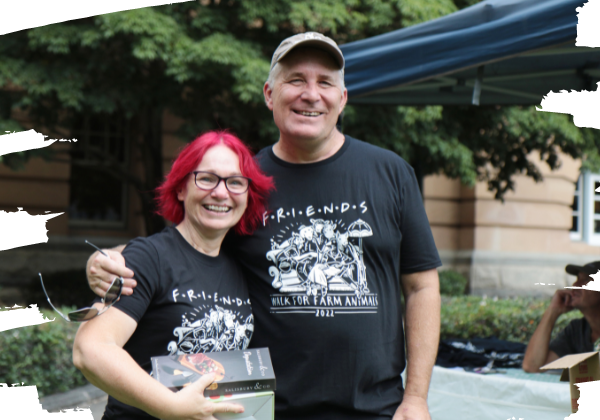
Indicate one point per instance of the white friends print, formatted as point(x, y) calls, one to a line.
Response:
point(319, 267)
point(218, 330)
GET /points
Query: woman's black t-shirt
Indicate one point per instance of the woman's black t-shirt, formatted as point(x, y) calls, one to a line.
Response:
point(184, 302)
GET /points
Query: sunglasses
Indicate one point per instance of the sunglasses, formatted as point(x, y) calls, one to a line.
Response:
point(85, 314)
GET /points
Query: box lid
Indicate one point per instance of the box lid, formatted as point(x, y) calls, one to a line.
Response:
point(569, 361)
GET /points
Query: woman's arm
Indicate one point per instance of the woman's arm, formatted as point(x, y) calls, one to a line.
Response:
point(98, 353)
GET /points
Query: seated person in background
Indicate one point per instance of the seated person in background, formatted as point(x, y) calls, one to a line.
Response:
point(580, 336)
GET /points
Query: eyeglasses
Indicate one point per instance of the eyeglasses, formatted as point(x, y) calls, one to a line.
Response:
point(85, 314)
point(208, 181)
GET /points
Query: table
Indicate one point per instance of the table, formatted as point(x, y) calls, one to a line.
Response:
point(459, 395)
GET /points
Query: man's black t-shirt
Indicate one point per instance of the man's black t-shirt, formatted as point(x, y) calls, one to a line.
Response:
point(324, 279)
point(184, 302)
point(575, 338)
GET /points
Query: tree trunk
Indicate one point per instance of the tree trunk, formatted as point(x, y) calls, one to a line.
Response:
point(150, 146)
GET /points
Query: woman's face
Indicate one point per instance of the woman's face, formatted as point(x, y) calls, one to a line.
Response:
point(214, 212)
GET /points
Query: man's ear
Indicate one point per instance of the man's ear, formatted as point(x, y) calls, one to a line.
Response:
point(343, 101)
point(267, 91)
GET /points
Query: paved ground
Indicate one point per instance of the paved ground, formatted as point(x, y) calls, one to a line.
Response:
point(96, 407)
point(85, 397)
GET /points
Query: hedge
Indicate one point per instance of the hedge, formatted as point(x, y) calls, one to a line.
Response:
point(513, 319)
point(41, 355)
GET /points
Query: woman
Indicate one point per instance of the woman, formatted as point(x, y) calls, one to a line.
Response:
point(190, 297)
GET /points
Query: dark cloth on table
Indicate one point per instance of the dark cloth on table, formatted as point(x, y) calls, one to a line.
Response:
point(478, 352)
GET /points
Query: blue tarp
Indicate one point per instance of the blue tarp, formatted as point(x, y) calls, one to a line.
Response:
point(526, 48)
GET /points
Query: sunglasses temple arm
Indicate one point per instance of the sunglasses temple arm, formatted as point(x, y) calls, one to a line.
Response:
point(102, 252)
point(47, 297)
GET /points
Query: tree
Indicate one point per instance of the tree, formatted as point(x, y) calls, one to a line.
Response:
point(206, 62)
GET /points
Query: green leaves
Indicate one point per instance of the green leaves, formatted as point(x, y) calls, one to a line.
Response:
point(502, 140)
point(250, 77)
point(324, 15)
point(41, 355)
point(54, 39)
point(417, 11)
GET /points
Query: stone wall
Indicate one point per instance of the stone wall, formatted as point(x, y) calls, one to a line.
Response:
point(513, 274)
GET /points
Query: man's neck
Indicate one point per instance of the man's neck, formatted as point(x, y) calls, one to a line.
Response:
point(308, 151)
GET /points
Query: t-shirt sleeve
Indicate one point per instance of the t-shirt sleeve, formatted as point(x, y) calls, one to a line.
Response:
point(141, 257)
point(563, 344)
point(418, 251)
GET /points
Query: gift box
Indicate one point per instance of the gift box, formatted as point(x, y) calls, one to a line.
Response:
point(236, 372)
point(257, 406)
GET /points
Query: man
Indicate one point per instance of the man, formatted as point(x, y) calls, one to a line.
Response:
point(580, 335)
point(346, 223)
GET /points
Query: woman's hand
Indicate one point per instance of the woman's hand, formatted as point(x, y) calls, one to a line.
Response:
point(190, 403)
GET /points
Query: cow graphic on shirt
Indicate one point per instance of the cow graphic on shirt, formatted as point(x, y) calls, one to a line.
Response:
point(319, 258)
point(219, 330)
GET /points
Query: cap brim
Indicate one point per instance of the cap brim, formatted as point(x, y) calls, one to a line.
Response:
point(573, 269)
point(576, 269)
point(322, 45)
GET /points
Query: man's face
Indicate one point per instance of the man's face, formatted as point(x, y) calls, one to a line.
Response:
point(306, 97)
point(582, 299)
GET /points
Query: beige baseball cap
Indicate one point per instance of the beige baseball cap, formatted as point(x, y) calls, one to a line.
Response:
point(308, 39)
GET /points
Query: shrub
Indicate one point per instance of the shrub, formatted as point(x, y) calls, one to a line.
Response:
point(513, 319)
point(452, 283)
point(41, 355)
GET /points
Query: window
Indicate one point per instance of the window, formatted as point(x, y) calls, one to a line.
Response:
point(594, 209)
point(586, 209)
point(98, 194)
point(576, 208)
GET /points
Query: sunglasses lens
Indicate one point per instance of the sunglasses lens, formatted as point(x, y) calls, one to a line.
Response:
point(84, 314)
point(114, 291)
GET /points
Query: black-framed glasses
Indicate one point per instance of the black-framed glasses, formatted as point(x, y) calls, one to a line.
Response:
point(85, 314)
point(208, 181)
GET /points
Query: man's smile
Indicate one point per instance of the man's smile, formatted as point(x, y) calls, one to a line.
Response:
point(308, 113)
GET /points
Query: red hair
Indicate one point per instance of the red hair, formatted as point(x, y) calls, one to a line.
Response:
point(188, 160)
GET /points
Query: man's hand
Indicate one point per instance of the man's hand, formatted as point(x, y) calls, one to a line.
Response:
point(561, 302)
point(102, 270)
point(412, 408)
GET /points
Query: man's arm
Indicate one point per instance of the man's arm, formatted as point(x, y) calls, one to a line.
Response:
point(422, 297)
point(101, 270)
point(538, 352)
